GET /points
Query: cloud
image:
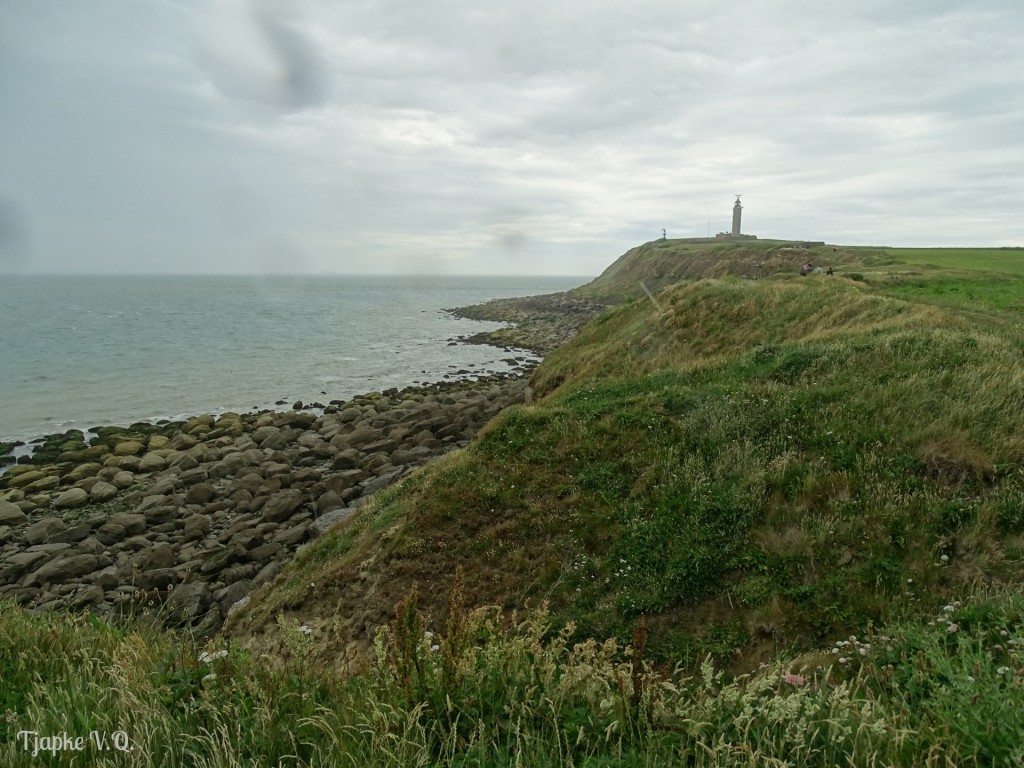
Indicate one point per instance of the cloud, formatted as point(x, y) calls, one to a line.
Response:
point(529, 136)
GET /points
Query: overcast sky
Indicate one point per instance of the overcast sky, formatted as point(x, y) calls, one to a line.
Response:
point(472, 136)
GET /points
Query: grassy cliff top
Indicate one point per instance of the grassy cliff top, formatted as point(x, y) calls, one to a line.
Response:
point(749, 464)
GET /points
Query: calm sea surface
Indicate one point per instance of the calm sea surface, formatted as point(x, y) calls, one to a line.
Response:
point(77, 352)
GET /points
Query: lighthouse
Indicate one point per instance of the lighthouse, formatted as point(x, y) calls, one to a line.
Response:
point(737, 213)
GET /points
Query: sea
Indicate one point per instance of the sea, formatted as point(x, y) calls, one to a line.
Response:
point(78, 352)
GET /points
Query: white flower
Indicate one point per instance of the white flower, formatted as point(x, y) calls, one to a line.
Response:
point(948, 608)
point(210, 677)
point(306, 630)
point(944, 558)
point(207, 658)
point(1002, 670)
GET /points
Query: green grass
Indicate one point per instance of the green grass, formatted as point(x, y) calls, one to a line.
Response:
point(1009, 261)
point(749, 464)
point(489, 690)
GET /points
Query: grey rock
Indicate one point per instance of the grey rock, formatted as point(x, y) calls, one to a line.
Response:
point(329, 501)
point(232, 593)
point(11, 514)
point(91, 546)
point(20, 563)
point(111, 533)
point(267, 573)
point(107, 578)
point(133, 524)
point(239, 571)
point(87, 597)
point(292, 536)
point(189, 601)
point(195, 526)
point(63, 568)
point(71, 498)
point(71, 535)
point(282, 505)
point(152, 462)
point(221, 559)
point(325, 522)
point(247, 539)
point(159, 578)
point(123, 480)
point(159, 515)
point(41, 530)
point(264, 552)
point(160, 556)
point(384, 480)
point(200, 493)
point(162, 487)
point(193, 476)
point(102, 492)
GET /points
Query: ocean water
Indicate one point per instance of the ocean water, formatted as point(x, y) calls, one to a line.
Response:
point(77, 352)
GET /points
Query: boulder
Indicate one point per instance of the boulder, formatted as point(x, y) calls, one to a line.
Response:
point(292, 536)
point(47, 483)
point(102, 492)
point(232, 593)
point(63, 569)
point(43, 529)
point(87, 597)
point(188, 602)
point(282, 505)
point(195, 526)
point(200, 493)
point(127, 448)
point(133, 524)
point(123, 479)
point(106, 578)
point(18, 564)
point(158, 578)
point(11, 514)
point(161, 556)
point(152, 462)
point(322, 524)
point(329, 501)
point(72, 535)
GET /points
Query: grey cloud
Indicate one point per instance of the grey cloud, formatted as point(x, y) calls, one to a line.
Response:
point(250, 135)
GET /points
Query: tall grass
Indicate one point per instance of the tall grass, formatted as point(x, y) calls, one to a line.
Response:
point(492, 689)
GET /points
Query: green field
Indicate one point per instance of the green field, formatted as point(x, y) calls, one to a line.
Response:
point(1008, 261)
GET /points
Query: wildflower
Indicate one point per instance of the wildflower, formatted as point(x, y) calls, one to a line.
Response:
point(1003, 633)
point(970, 679)
point(952, 628)
point(210, 678)
point(843, 660)
point(948, 608)
point(862, 651)
point(1002, 670)
point(763, 665)
point(794, 679)
point(306, 630)
point(435, 648)
point(910, 581)
point(944, 558)
point(207, 658)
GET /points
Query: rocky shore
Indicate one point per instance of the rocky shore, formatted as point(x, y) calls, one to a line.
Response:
point(538, 323)
point(182, 520)
point(188, 518)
